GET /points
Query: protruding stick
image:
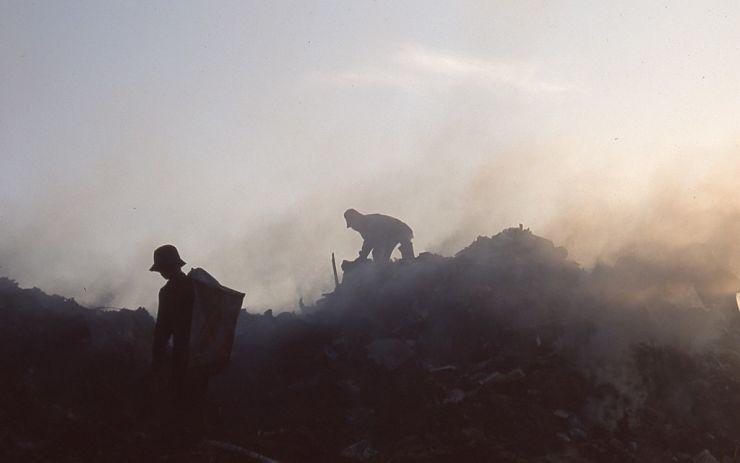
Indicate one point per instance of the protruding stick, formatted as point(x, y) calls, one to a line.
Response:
point(334, 267)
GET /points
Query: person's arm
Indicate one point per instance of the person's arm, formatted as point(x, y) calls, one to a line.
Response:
point(162, 331)
point(182, 320)
point(366, 248)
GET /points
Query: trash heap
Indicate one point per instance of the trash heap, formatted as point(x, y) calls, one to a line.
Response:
point(66, 376)
point(507, 351)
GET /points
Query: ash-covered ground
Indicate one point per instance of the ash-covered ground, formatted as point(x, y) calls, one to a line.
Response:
point(506, 352)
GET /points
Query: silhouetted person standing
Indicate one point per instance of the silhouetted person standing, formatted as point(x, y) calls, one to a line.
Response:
point(176, 298)
point(174, 315)
point(381, 235)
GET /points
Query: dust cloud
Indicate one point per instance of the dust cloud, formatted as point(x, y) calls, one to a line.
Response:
point(674, 216)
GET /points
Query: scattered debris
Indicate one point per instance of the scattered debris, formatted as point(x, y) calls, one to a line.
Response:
point(455, 396)
point(250, 454)
point(446, 368)
point(361, 451)
point(390, 353)
point(705, 457)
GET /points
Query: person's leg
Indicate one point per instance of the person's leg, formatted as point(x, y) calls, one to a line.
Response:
point(197, 390)
point(382, 253)
point(407, 250)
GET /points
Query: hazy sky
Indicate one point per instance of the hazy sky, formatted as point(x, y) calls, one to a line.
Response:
point(241, 131)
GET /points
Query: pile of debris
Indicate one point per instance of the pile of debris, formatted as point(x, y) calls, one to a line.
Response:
point(67, 373)
point(508, 351)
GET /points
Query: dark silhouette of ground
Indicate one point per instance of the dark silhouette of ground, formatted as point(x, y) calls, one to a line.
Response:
point(508, 351)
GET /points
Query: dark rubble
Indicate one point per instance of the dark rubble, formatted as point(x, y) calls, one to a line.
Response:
point(506, 352)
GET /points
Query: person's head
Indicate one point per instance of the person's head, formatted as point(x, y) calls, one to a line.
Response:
point(352, 217)
point(167, 261)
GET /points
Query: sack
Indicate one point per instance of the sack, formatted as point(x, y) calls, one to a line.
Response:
point(215, 310)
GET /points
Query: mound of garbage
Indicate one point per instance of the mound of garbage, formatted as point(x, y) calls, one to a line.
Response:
point(507, 351)
point(65, 374)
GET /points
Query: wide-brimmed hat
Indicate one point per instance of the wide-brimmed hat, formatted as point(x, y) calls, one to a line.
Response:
point(166, 257)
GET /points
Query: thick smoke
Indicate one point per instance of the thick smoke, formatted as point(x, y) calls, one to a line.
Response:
point(672, 218)
point(678, 215)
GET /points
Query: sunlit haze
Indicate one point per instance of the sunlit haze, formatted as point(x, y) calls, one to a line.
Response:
point(241, 131)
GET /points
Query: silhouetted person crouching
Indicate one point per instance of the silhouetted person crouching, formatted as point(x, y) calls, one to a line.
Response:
point(381, 235)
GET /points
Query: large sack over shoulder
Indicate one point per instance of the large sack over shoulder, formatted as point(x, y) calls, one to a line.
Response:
point(215, 311)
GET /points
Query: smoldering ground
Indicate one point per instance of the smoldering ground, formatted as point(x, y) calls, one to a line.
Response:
point(509, 327)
